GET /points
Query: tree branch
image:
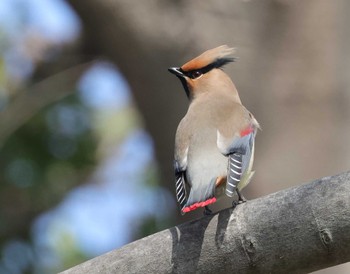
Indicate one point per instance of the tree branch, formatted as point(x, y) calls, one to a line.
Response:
point(297, 230)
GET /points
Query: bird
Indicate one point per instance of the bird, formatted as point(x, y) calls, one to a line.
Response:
point(214, 141)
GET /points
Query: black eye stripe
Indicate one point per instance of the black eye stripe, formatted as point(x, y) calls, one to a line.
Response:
point(193, 74)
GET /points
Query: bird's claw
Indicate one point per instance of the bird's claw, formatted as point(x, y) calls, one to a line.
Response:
point(236, 203)
point(207, 211)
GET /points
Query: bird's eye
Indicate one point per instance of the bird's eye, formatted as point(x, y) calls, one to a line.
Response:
point(195, 74)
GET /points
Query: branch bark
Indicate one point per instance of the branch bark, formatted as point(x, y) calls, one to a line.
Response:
point(297, 230)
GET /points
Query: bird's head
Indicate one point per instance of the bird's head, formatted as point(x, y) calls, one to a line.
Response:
point(204, 74)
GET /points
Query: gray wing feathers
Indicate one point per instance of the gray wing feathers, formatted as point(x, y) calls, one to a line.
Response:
point(248, 152)
point(234, 173)
point(239, 157)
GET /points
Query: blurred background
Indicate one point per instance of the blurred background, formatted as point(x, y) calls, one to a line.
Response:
point(88, 113)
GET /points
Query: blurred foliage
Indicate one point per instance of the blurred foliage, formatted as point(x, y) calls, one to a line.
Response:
point(45, 158)
point(53, 152)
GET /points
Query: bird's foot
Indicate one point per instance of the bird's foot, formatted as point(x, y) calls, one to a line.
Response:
point(241, 202)
point(241, 199)
point(207, 211)
point(235, 203)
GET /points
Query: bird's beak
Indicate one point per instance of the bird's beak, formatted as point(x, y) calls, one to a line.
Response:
point(177, 72)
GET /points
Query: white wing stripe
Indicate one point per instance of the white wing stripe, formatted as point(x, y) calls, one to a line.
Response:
point(178, 185)
point(239, 162)
point(238, 173)
point(236, 166)
point(182, 200)
point(233, 178)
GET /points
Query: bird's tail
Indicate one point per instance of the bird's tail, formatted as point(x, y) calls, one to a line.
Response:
point(200, 196)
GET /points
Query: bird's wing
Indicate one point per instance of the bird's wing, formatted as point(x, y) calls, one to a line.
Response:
point(240, 159)
point(180, 185)
point(238, 145)
point(180, 163)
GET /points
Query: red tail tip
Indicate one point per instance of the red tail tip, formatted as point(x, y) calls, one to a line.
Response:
point(199, 204)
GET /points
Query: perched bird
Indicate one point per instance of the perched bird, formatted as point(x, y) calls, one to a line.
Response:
point(214, 143)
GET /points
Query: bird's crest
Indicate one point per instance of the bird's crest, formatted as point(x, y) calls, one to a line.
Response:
point(213, 58)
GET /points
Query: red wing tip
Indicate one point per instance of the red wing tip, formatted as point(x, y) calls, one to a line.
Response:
point(198, 205)
point(246, 131)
